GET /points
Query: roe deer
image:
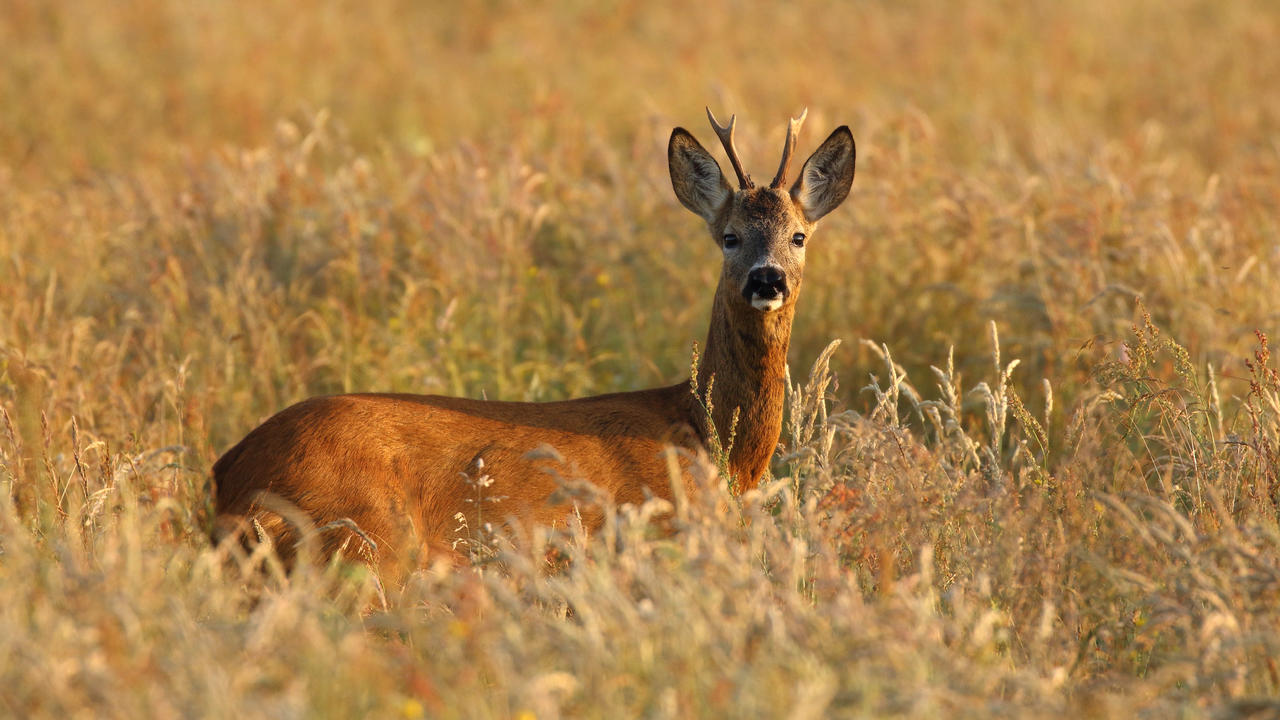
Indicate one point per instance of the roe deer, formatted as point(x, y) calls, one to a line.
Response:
point(398, 465)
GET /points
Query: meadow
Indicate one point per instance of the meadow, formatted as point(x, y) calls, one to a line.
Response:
point(1039, 476)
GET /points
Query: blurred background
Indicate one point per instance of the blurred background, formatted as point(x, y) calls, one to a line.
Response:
point(263, 202)
point(89, 88)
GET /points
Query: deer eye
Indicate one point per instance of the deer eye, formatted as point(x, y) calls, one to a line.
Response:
point(798, 239)
point(730, 241)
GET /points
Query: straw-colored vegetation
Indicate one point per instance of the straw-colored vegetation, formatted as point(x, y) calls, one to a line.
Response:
point(211, 210)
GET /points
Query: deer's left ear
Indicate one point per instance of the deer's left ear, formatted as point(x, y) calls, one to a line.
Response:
point(827, 175)
point(696, 176)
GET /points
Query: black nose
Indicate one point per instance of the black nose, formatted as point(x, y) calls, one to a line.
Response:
point(765, 282)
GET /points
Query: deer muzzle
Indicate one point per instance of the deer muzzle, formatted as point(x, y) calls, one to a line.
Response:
point(766, 288)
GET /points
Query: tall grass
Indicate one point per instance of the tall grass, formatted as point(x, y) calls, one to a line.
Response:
point(1014, 489)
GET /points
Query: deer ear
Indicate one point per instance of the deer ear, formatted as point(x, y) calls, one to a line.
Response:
point(696, 176)
point(827, 175)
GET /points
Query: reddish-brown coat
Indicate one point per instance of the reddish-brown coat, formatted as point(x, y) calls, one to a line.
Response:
point(398, 465)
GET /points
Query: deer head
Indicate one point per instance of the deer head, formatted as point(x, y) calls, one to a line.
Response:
point(762, 231)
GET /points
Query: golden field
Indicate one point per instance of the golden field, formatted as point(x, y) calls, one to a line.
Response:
point(1046, 483)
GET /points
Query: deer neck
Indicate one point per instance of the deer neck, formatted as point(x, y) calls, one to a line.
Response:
point(746, 353)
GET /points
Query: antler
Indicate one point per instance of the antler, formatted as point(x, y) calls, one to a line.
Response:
point(726, 138)
point(793, 132)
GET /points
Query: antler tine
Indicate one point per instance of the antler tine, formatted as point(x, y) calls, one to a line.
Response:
point(793, 133)
point(725, 133)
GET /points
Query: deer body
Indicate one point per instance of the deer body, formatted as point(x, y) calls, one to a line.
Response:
point(402, 467)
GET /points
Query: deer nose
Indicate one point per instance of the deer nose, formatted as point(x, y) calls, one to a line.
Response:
point(765, 282)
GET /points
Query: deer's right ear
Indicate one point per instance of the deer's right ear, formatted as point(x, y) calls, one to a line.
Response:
point(696, 176)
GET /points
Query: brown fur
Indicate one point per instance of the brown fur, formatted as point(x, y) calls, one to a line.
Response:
point(397, 466)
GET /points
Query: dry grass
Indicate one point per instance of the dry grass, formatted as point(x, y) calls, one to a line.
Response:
point(208, 212)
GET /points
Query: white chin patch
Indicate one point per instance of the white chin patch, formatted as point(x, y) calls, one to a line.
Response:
point(766, 305)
